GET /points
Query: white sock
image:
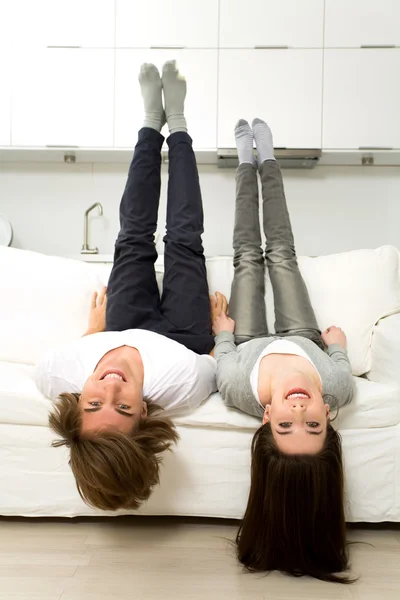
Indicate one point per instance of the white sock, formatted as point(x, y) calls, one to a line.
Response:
point(263, 139)
point(150, 85)
point(174, 86)
point(244, 142)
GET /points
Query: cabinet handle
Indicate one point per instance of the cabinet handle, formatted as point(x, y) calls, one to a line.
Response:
point(167, 47)
point(271, 47)
point(63, 46)
point(375, 147)
point(377, 46)
point(60, 146)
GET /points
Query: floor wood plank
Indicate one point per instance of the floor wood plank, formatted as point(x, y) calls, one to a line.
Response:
point(142, 558)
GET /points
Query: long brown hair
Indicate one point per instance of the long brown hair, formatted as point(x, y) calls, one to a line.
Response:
point(294, 520)
point(113, 470)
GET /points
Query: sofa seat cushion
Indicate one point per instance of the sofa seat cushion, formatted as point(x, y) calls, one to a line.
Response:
point(20, 401)
point(374, 405)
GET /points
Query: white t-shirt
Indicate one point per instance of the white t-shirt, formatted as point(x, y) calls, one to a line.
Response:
point(174, 377)
point(276, 347)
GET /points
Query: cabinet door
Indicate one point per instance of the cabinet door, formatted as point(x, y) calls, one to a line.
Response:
point(63, 97)
point(361, 99)
point(293, 23)
point(358, 23)
point(283, 87)
point(89, 23)
point(5, 97)
point(167, 23)
point(6, 24)
point(200, 70)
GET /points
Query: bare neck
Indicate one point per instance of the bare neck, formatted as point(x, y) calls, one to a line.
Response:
point(276, 367)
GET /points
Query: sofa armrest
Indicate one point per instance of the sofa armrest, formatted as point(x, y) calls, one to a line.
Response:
point(385, 351)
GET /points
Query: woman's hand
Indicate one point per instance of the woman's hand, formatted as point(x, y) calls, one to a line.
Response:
point(334, 335)
point(97, 314)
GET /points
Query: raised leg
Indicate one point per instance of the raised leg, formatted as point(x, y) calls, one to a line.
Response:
point(133, 297)
point(294, 314)
point(247, 302)
point(185, 303)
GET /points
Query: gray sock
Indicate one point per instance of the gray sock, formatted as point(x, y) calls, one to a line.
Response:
point(150, 84)
point(174, 86)
point(263, 139)
point(244, 142)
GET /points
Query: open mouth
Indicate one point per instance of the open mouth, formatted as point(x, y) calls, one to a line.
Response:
point(297, 393)
point(111, 374)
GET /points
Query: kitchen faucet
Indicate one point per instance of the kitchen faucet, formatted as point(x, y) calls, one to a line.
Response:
point(85, 246)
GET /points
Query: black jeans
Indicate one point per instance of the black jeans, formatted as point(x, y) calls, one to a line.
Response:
point(183, 311)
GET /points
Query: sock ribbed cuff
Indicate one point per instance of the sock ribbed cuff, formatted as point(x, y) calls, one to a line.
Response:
point(176, 122)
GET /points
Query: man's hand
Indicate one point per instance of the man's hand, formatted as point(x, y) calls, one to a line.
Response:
point(218, 305)
point(223, 323)
point(219, 314)
point(334, 335)
point(97, 314)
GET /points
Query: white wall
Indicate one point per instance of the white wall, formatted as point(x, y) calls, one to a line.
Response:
point(333, 208)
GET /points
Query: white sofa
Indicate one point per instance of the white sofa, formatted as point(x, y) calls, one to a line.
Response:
point(44, 301)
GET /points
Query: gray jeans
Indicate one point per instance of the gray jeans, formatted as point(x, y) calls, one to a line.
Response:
point(294, 314)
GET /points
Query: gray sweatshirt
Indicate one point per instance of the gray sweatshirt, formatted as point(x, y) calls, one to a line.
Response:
point(235, 364)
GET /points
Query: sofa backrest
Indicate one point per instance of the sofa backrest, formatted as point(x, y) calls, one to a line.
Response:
point(45, 300)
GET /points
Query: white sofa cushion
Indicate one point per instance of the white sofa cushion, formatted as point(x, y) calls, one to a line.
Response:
point(21, 403)
point(374, 405)
point(354, 290)
point(385, 351)
point(44, 301)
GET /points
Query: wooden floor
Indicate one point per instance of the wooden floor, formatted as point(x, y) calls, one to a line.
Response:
point(134, 558)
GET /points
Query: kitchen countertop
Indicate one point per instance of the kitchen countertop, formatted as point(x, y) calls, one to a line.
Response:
point(103, 258)
point(96, 258)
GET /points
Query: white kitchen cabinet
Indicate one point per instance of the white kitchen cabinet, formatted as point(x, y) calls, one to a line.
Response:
point(355, 23)
point(89, 23)
point(292, 23)
point(283, 87)
point(6, 23)
point(63, 97)
point(200, 70)
point(361, 99)
point(5, 98)
point(167, 23)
